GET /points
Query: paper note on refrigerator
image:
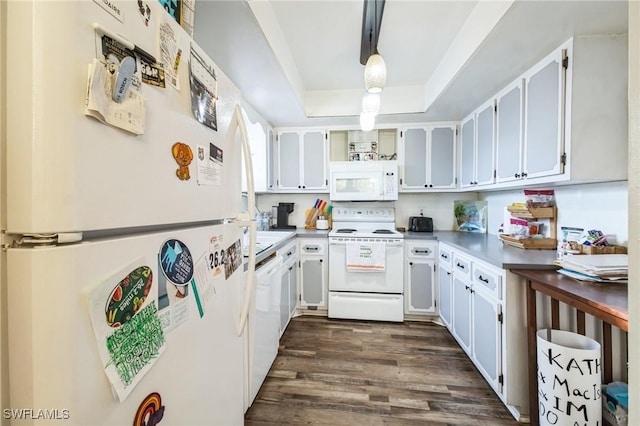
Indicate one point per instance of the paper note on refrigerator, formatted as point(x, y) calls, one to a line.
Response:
point(129, 114)
point(123, 311)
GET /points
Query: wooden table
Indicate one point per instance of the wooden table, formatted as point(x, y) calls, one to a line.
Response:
point(605, 301)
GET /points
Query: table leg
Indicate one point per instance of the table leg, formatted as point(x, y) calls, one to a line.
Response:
point(532, 326)
point(555, 314)
point(580, 322)
point(607, 353)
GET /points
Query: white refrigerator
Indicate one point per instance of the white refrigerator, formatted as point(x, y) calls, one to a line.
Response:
point(125, 292)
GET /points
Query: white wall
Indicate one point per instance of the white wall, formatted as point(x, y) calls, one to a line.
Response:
point(600, 206)
point(437, 206)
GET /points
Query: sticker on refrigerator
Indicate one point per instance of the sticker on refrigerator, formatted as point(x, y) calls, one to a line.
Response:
point(176, 262)
point(145, 12)
point(232, 258)
point(150, 412)
point(112, 7)
point(170, 53)
point(152, 74)
point(203, 283)
point(129, 351)
point(204, 89)
point(183, 155)
point(128, 296)
point(209, 163)
point(173, 308)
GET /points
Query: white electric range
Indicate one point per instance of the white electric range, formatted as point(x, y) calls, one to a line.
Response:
point(365, 265)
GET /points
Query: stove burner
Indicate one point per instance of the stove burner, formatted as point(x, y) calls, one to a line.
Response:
point(383, 231)
point(345, 231)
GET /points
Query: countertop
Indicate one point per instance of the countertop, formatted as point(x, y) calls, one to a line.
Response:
point(486, 247)
point(491, 249)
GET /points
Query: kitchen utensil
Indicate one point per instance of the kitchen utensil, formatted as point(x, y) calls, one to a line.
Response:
point(322, 223)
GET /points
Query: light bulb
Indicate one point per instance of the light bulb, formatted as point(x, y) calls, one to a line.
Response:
point(375, 74)
point(371, 103)
point(367, 121)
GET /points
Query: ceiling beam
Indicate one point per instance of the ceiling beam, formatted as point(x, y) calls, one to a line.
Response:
point(371, 22)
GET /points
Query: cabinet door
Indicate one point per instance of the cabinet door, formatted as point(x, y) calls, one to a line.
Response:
point(445, 281)
point(313, 282)
point(509, 134)
point(314, 164)
point(271, 161)
point(288, 160)
point(487, 338)
point(414, 157)
point(467, 154)
point(293, 290)
point(544, 94)
point(421, 287)
point(462, 313)
point(443, 158)
point(284, 299)
point(484, 145)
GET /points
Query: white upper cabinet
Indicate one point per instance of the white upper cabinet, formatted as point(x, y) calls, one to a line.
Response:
point(271, 160)
point(544, 96)
point(428, 157)
point(301, 161)
point(565, 120)
point(477, 147)
point(509, 124)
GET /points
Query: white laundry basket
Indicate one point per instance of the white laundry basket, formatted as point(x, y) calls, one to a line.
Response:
point(569, 379)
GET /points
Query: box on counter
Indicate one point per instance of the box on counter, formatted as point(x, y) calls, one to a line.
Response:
point(615, 400)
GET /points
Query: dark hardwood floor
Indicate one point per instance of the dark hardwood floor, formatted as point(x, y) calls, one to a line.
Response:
point(342, 372)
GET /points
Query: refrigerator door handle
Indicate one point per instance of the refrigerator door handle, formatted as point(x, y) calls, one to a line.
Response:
point(237, 122)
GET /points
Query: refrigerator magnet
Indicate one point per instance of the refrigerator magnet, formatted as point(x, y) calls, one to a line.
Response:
point(128, 296)
point(176, 262)
point(150, 411)
point(183, 155)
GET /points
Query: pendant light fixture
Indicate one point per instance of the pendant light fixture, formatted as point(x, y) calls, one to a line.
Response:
point(375, 73)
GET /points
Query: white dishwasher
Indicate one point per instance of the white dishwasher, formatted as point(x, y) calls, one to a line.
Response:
point(264, 326)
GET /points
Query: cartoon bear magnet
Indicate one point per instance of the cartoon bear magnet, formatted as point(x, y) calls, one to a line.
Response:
point(183, 156)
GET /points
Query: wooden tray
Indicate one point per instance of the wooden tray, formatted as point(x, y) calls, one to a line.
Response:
point(598, 249)
point(530, 243)
point(532, 213)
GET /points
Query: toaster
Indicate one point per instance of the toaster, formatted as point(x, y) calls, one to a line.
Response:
point(420, 224)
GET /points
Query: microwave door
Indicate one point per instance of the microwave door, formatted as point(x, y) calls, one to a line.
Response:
point(353, 186)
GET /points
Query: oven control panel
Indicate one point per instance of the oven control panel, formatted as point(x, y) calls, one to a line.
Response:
point(366, 214)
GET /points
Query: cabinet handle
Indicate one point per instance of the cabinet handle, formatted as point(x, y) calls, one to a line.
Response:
point(448, 273)
point(410, 263)
point(444, 256)
point(517, 175)
point(472, 291)
point(320, 260)
point(290, 267)
point(524, 175)
point(459, 265)
point(289, 254)
point(466, 287)
point(304, 186)
point(426, 185)
point(485, 280)
point(311, 248)
point(430, 185)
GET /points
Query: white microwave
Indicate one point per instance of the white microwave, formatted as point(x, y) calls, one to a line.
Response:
point(363, 180)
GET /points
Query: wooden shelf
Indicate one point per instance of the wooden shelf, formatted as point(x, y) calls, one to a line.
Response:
point(533, 213)
point(530, 243)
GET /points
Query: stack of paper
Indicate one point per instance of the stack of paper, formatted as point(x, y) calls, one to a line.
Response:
point(596, 267)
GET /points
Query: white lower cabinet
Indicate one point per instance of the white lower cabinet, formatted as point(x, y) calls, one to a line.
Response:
point(419, 277)
point(445, 286)
point(487, 321)
point(314, 272)
point(288, 284)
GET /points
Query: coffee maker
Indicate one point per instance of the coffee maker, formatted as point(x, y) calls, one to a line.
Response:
point(284, 209)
